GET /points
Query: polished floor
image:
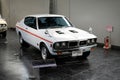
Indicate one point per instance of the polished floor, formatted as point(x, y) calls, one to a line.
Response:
point(98, 66)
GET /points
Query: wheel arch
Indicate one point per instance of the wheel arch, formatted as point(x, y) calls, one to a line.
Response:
point(48, 51)
point(43, 44)
point(19, 33)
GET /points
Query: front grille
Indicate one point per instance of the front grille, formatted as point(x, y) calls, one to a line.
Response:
point(83, 43)
point(73, 44)
point(69, 45)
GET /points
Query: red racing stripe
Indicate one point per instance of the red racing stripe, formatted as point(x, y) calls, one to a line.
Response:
point(34, 34)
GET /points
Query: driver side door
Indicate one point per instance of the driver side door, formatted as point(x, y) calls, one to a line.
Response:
point(31, 30)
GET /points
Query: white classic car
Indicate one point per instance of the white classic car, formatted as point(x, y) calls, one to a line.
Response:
point(3, 27)
point(54, 35)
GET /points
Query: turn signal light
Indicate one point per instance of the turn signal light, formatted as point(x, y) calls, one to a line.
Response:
point(59, 53)
point(92, 49)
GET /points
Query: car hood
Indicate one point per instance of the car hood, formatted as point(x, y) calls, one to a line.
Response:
point(2, 21)
point(69, 33)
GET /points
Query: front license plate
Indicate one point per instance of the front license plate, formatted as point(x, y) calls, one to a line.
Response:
point(77, 53)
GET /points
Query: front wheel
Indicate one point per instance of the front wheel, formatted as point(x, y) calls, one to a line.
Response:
point(44, 52)
point(4, 34)
point(84, 56)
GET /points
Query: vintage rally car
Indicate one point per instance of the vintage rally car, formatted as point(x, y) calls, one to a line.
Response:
point(3, 27)
point(54, 35)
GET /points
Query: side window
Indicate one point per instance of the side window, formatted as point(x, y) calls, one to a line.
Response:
point(31, 22)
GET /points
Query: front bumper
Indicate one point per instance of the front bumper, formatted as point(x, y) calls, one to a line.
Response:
point(87, 48)
point(3, 29)
point(70, 51)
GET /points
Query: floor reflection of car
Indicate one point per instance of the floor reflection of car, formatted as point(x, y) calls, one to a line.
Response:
point(3, 27)
point(54, 35)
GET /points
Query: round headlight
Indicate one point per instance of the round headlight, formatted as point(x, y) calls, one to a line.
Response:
point(88, 41)
point(57, 44)
point(63, 44)
point(4, 25)
point(92, 40)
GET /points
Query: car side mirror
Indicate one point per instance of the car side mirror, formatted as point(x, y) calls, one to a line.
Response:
point(46, 32)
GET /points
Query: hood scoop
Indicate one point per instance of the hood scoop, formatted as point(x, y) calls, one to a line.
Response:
point(73, 31)
point(59, 32)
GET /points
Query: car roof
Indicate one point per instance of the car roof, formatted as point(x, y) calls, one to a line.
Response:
point(45, 15)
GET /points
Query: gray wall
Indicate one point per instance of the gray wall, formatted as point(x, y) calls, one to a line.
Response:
point(93, 13)
point(14, 10)
point(0, 7)
point(5, 9)
point(63, 7)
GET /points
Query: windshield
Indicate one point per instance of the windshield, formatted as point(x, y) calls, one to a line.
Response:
point(52, 22)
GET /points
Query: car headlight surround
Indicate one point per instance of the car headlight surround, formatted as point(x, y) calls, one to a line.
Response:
point(57, 44)
point(92, 41)
point(63, 44)
point(2, 25)
point(60, 45)
point(88, 41)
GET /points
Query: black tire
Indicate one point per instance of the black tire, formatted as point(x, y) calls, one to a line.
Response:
point(23, 43)
point(44, 52)
point(4, 34)
point(84, 56)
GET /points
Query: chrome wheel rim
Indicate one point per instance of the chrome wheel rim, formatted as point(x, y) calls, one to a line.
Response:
point(20, 39)
point(44, 53)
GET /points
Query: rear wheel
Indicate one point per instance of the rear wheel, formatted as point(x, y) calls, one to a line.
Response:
point(44, 52)
point(22, 42)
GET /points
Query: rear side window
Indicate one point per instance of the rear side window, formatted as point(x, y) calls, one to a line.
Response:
point(30, 22)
